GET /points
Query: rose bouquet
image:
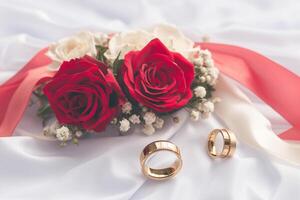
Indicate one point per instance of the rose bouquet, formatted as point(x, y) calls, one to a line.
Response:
point(126, 79)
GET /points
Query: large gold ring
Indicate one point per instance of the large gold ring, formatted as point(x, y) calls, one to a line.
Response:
point(229, 145)
point(164, 173)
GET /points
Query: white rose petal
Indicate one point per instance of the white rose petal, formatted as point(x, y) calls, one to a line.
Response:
point(72, 47)
point(135, 119)
point(63, 133)
point(148, 129)
point(200, 91)
point(170, 36)
point(124, 125)
point(149, 117)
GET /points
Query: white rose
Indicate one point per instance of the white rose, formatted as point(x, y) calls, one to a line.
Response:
point(170, 36)
point(72, 47)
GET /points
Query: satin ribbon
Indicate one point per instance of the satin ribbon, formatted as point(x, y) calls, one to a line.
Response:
point(15, 93)
point(271, 82)
point(274, 84)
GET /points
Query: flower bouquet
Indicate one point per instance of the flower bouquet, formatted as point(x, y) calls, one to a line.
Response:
point(128, 79)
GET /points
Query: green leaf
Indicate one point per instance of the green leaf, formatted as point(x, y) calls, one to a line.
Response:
point(100, 53)
point(117, 64)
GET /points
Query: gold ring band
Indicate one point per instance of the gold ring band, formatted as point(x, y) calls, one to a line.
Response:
point(229, 146)
point(164, 173)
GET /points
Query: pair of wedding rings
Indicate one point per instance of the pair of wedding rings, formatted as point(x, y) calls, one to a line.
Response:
point(229, 146)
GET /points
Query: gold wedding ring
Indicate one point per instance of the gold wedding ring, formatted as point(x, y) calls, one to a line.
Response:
point(229, 143)
point(163, 173)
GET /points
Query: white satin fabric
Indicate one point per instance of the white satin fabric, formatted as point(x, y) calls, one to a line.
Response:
point(108, 167)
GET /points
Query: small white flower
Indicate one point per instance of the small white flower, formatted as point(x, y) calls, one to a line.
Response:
point(63, 133)
point(114, 121)
point(148, 129)
point(200, 91)
point(135, 119)
point(78, 133)
point(144, 109)
point(205, 53)
point(206, 107)
point(203, 70)
point(213, 72)
point(208, 78)
point(149, 117)
point(159, 122)
point(209, 62)
point(124, 125)
point(202, 79)
point(195, 115)
point(198, 61)
point(127, 107)
point(50, 129)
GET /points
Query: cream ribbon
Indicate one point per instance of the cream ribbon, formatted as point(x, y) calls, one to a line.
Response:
point(250, 126)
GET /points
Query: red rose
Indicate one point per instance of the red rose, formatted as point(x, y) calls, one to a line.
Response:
point(157, 78)
point(84, 92)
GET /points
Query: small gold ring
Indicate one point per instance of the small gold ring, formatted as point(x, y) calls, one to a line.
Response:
point(164, 173)
point(229, 145)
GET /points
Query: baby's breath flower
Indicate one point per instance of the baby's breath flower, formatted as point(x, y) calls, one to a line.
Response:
point(202, 79)
point(208, 78)
point(203, 70)
point(126, 107)
point(205, 53)
point(148, 129)
point(114, 121)
point(195, 115)
point(206, 107)
point(200, 91)
point(63, 133)
point(124, 125)
point(78, 133)
point(149, 117)
point(144, 109)
point(209, 62)
point(198, 61)
point(135, 119)
point(159, 122)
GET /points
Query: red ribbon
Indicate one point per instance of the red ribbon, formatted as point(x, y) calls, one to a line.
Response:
point(274, 84)
point(15, 93)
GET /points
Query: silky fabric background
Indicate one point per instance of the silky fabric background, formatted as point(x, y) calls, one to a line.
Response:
point(108, 167)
